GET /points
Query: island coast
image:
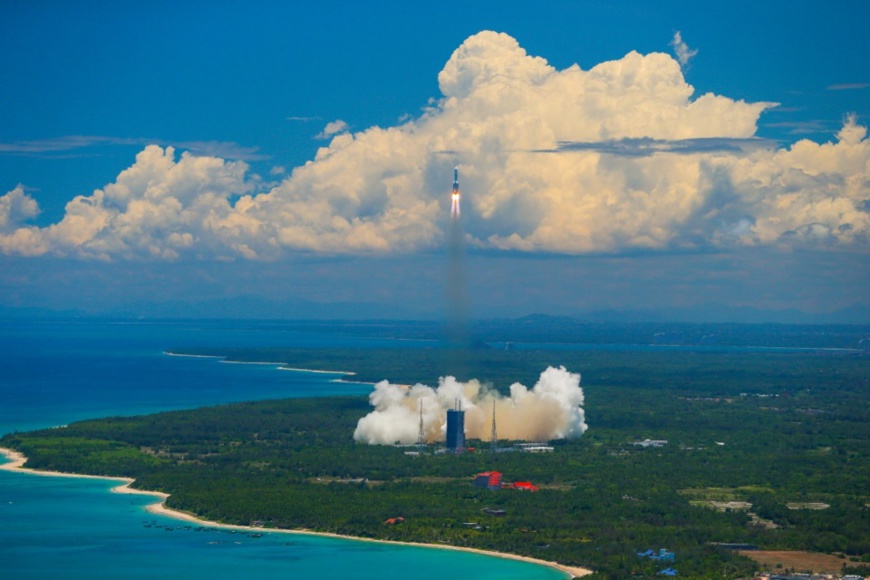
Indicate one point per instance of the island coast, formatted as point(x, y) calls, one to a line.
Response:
point(17, 460)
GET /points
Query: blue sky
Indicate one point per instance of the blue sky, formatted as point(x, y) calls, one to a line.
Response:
point(90, 85)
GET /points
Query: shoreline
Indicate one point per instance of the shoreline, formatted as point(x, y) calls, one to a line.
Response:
point(18, 459)
point(282, 366)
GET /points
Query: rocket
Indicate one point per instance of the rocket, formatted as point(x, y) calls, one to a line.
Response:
point(454, 198)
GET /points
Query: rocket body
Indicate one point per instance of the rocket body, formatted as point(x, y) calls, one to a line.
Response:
point(454, 197)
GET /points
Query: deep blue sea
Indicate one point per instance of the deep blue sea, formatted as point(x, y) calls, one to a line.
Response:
point(53, 373)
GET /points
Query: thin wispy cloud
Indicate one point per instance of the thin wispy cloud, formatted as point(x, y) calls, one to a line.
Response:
point(848, 87)
point(63, 143)
point(781, 109)
point(303, 119)
point(682, 50)
point(808, 127)
point(224, 149)
point(71, 146)
point(645, 146)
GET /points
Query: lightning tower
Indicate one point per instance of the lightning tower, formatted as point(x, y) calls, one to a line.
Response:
point(421, 440)
point(454, 198)
point(493, 436)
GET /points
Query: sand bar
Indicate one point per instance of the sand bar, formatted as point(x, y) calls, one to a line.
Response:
point(284, 367)
point(17, 461)
point(281, 365)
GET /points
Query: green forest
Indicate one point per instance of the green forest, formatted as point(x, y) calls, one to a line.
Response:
point(784, 432)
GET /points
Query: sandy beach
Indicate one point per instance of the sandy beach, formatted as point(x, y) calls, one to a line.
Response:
point(282, 365)
point(17, 461)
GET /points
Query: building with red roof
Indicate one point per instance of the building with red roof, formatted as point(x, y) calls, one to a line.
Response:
point(488, 479)
point(525, 486)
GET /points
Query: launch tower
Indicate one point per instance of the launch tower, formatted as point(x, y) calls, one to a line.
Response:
point(421, 438)
point(456, 429)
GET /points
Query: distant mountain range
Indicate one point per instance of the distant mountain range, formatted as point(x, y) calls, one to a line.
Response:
point(253, 307)
point(717, 313)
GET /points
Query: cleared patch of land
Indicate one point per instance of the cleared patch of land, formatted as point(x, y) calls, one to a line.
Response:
point(808, 506)
point(799, 561)
point(722, 494)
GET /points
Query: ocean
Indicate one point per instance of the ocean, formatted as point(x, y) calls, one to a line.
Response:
point(53, 373)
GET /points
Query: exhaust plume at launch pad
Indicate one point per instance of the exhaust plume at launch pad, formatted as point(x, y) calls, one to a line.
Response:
point(454, 197)
point(552, 409)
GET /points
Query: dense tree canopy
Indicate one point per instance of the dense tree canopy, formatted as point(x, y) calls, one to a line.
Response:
point(777, 431)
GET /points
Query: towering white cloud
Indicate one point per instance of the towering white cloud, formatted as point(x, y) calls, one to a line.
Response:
point(620, 157)
point(16, 207)
point(157, 208)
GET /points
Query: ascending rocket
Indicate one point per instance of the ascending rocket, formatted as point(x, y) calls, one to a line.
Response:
point(454, 198)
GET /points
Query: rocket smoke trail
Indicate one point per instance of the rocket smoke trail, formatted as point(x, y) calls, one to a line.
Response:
point(457, 289)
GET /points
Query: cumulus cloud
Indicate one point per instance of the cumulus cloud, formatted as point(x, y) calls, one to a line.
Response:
point(681, 49)
point(332, 128)
point(635, 161)
point(16, 207)
point(155, 209)
point(552, 409)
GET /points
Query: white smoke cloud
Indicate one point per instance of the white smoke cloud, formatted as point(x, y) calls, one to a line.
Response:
point(506, 116)
point(552, 409)
point(682, 50)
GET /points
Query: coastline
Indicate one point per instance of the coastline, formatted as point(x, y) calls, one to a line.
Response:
point(280, 366)
point(18, 459)
point(284, 367)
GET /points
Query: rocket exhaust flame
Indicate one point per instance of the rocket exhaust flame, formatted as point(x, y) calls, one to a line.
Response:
point(550, 410)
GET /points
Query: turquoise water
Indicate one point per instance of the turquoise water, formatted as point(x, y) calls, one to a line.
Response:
point(75, 528)
point(55, 373)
